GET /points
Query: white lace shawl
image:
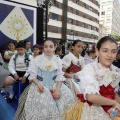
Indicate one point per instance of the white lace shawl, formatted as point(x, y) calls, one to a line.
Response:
point(71, 58)
point(55, 63)
point(95, 75)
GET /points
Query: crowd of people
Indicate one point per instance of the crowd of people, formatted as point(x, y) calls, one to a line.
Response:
point(82, 84)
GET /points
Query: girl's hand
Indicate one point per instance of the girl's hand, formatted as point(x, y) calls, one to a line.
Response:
point(16, 77)
point(56, 94)
point(23, 80)
point(116, 104)
point(40, 88)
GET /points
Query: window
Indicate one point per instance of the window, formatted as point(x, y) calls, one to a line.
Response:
point(77, 23)
point(84, 16)
point(77, 12)
point(54, 29)
point(90, 18)
point(109, 12)
point(91, 0)
point(90, 8)
point(95, 28)
point(84, 35)
point(56, 4)
point(96, 20)
point(71, 10)
point(96, 11)
point(76, 33)
point(108, 24)
point(109, 6)
point(90, 27)
point(54, 16)
point(84, 5)
point(83, 25)
point(104, 7)
point(77, 2)
point(71, 21)
point(108, 19)
point(103, 13)
point(109, 1)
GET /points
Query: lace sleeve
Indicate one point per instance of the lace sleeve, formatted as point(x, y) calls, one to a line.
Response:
point(89, 85)
point(60, 73)
point(33, 69)
point(66, 62)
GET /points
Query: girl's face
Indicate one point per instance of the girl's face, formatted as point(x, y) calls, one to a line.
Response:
point(28, 45)
point(107, 53)
point(78, 48)
point(36, 51)
point(48, 48)
point(21, 51)
point(93, 55)
point(11, 47)
point(59, 52)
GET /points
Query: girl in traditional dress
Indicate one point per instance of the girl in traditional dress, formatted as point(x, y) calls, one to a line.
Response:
point(73, 63)
point(37, 49)
point(90, 56)
point(9, 53)
point(46, 98)
point(58, 52)
point(99, 86)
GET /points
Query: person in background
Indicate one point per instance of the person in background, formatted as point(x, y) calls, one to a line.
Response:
point(69, 49)
point(73, 62)
point(37, 49)
point(90, 47)
point(117, 61)
point(28, 47)
point(20, 66)
point(10, 52)
point(84, 50)
point(100, 98)
point(47, 97)
point(58, 52)
point(90, 56)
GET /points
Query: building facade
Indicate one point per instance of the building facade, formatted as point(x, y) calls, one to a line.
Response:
point(74, 19)
point(110, 15)
point(102, 30)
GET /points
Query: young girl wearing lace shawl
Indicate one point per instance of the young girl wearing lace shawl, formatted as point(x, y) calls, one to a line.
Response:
point(73, 62)
point(47, 97)
point(99, 86)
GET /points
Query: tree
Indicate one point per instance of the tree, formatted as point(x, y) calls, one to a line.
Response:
point(115, 36)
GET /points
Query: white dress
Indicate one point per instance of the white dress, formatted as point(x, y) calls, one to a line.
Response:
point(10, 53)
point(93, 77)
point(73, 65)
point(34, 105)
point(88, 59)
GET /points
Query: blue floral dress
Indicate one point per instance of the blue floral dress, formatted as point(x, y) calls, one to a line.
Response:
point(34, 105)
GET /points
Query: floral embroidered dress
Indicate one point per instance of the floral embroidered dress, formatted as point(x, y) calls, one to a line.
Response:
point(73, 65)
point(94, 79)
point(34, 105)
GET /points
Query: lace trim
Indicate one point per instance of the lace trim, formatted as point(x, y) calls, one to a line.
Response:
point(46, 64)
point(60, 77)
point(90, 90)
point(105, 76)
